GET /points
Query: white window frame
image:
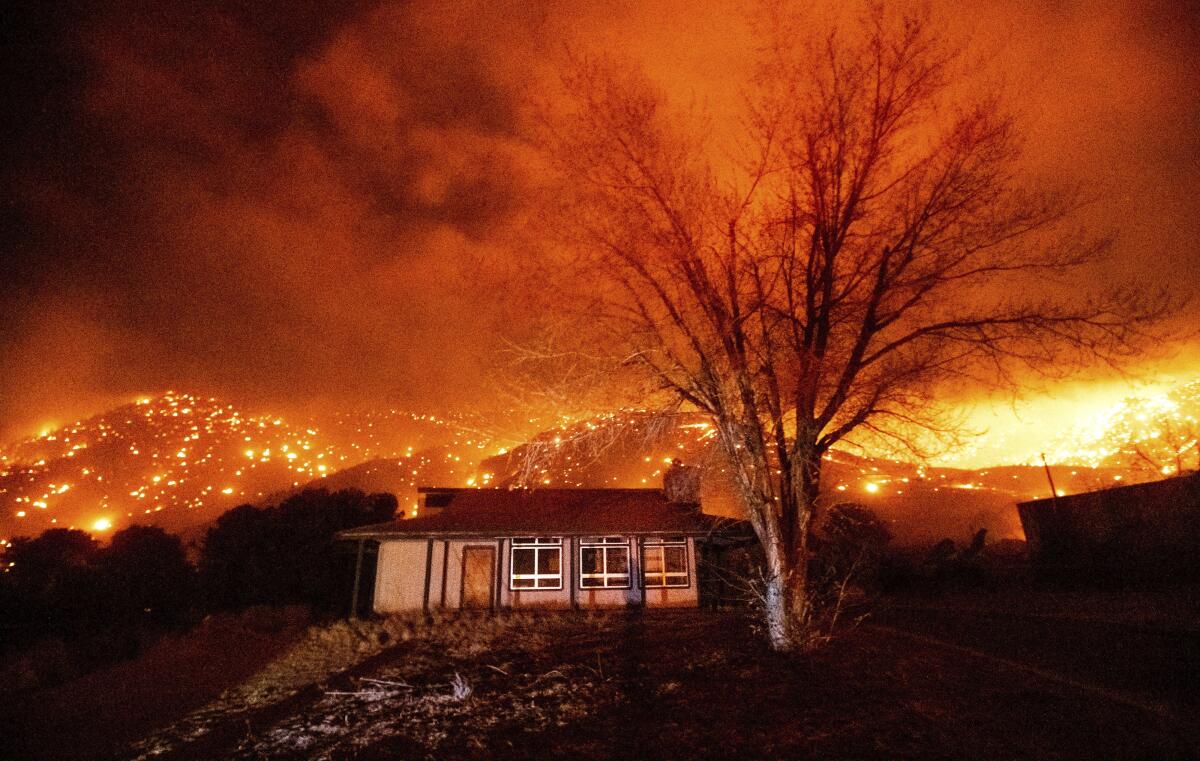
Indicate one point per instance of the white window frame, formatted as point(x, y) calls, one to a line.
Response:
point(604, 544)
point(665, 579)
point(538, 545)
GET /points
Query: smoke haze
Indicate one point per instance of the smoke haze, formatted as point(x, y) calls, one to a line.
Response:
point(290, 203)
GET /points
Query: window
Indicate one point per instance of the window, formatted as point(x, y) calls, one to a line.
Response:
point(535, 563)
point(664, 562)
point(604, 563)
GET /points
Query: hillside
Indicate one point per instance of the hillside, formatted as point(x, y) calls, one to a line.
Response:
point(922, 503)
point(905, 683)
point(178, 461)
point(400, 476)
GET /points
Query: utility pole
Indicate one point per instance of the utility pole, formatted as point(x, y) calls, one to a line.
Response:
point(1050, 478)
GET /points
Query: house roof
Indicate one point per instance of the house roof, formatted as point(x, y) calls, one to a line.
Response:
point(1180, 486)
point(565, 512)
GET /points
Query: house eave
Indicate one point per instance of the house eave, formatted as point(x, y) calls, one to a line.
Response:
point(384, 534)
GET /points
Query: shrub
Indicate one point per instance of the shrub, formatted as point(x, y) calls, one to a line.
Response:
point(287, 553)
point(150, 577)
point(851, 546)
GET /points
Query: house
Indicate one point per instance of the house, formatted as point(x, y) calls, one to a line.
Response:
point(546, 548)
point(1155, 524)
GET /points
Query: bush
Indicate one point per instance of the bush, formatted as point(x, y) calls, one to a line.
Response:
point(851, 546)
point(946, 566)
point(51, 585)
point(287, 553)
point(150, 577)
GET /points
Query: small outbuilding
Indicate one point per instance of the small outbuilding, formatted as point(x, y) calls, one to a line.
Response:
point(1150, 525)
point(546, 548)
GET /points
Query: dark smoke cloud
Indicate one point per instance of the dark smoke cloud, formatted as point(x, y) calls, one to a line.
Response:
point(287, 202)
point(268, 203)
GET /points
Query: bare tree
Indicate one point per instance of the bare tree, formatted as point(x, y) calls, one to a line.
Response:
point(1175, 452)
point(1159, 437)
point(875, 244)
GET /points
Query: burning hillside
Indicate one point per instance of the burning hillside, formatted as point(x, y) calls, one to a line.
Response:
point(922, 503)
point(1150, 434)
point(177, 460)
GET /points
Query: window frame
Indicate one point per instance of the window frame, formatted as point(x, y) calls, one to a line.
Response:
point(603, 544)
point(538, 545)
point(662, 579)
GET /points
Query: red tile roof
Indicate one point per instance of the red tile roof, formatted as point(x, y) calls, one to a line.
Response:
point(517, 512)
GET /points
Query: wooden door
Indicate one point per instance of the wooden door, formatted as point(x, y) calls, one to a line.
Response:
point(478, 577)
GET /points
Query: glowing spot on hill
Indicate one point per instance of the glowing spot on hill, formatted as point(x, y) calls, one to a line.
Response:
point(101, 524)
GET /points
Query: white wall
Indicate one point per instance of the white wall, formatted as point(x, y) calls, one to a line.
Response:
point(400, 576)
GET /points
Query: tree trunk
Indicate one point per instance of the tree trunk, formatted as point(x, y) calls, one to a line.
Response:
point(789, 612)
point(775, 608)
point(779, 632)
point(785, 601)
point(782, 523)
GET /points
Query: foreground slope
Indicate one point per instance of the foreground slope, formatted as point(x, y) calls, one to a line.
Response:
point(681, 684)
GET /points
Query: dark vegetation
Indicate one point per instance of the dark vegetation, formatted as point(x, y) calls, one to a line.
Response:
point(69, 604)
point(286, 554)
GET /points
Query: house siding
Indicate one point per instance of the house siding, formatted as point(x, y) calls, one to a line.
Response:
point(400, 576)
point(413, 574)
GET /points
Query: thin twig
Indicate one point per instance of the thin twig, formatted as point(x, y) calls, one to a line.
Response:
point(387, 683)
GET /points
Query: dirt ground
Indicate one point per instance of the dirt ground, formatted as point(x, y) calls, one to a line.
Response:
point(97, 715)
point(906, 683)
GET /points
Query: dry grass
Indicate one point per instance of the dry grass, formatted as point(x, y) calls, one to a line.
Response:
point(684, 684)
point(455, 670)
